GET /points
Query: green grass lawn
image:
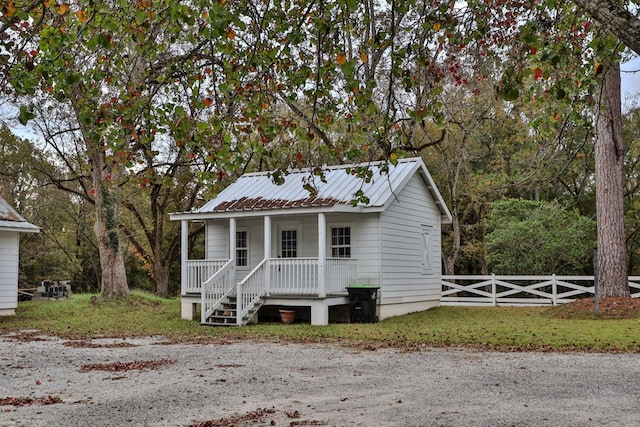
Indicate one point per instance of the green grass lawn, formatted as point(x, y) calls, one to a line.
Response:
point(490, 328)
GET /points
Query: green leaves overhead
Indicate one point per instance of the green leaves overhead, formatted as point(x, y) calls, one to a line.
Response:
point(331, 79)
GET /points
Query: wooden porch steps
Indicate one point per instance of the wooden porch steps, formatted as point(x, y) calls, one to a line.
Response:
point(225, 314)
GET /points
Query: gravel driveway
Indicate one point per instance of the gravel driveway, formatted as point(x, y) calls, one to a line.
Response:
point(258, 383)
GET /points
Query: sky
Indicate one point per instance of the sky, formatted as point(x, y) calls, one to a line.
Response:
point(630, 74)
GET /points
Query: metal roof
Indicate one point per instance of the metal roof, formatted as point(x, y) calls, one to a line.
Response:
point(257, 191)
point(10, 219)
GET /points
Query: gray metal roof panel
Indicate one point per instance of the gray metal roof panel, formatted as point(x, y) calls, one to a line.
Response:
point(256, 191)
point(10, 219)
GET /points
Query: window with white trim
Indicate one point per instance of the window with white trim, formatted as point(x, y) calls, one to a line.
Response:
point(288, 243)
point(242, 248)
point(341, 242)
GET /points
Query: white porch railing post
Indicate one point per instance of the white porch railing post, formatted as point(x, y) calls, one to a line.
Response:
point(232, 238)
point(239, 304)
point(322, 255)
point(267, 254)
point(494, 290)
point(184, 255)
point(554, 290)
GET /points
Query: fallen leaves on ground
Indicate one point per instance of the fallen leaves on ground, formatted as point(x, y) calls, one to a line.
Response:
point(28, 401)
point(258, 415)
point(261, 416)
point(89, 344)
point(25, 337)
point(609, 308)
point(139, 365)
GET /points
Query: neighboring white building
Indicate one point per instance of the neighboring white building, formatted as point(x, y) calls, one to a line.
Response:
point(11, 224)
point(273, 246)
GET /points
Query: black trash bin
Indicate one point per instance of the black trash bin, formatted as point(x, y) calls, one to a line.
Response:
point(362, 303)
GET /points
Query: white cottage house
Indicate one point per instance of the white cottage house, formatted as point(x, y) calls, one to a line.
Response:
point(271, 246)
point(11, 224)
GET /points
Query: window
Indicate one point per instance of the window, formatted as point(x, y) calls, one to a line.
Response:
point(426, 249)
point(242, 248)
point(341, 242)
point(288, 243)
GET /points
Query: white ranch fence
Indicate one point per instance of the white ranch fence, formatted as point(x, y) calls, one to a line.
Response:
point(520, 290)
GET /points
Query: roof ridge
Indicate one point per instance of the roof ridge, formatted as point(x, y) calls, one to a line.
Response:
point(332, 167)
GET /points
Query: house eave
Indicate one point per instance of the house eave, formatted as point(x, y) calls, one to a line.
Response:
point(194, 216)
point(21, 229)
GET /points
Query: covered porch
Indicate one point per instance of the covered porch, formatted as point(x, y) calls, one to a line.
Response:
point(317, 282)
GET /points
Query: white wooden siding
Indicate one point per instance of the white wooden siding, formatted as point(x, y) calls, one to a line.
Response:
point(365, 243)
point(218, 241)
point(9, 249)
point(217, 236)
point(307, 237)
point(402, 248)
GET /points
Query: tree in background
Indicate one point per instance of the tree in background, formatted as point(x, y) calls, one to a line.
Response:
point(63, 246)
point(214, 79)
point(540, 238)
point(123, 83)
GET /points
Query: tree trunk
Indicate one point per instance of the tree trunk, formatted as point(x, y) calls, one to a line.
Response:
point(161, 267)
point(113, 274)
point(112, 267)
point(609, 163)
point(162, 281)
point(614, 16)
point(451, 260)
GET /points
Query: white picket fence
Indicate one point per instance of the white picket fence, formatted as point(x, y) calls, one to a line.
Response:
point(520, 290)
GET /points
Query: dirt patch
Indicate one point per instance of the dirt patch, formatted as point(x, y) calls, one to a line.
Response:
point(609, 308)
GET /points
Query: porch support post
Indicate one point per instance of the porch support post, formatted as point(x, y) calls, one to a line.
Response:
point(320, 312)
point(187, 306)
point(267, 254)
point(232, 239)
point(322, 255)
point(187, 309)
point(184, 255)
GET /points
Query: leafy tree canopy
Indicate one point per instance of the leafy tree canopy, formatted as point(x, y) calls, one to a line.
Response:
point(530, 237)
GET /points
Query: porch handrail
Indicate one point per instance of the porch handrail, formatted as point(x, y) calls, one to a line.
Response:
point(250, 290)
point(198, 271)
point(519, 290)
point(216, 288)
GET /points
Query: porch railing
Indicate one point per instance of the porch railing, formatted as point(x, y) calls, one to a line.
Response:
point(293, 276)
point(251, 290)
point(199, 270)
point(341, 272)
point(280, 276)
point(520, 290)
point(299, 276)
point(219, 285)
